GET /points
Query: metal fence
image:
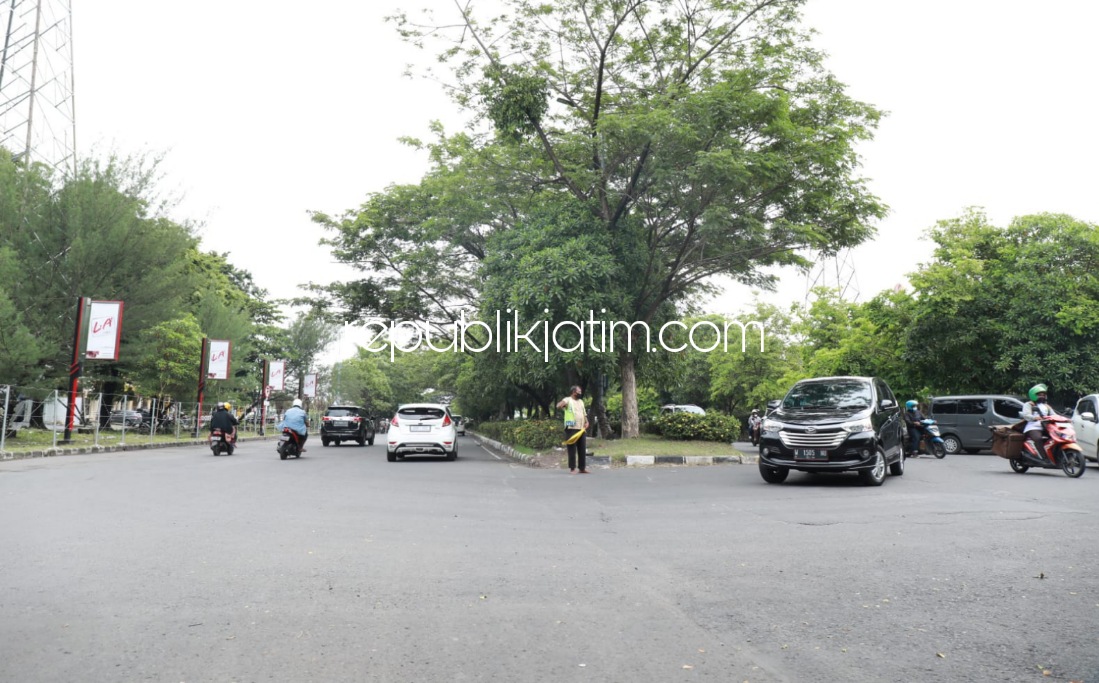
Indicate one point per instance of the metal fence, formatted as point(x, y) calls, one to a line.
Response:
point(40, 415)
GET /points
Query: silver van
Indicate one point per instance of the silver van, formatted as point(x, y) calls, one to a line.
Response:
point(964, 420)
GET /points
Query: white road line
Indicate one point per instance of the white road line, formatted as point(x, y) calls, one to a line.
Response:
point(489, 452)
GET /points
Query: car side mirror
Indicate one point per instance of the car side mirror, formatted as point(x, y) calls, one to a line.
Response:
point(1090, 417)
point(773, 405)
point(886, 403)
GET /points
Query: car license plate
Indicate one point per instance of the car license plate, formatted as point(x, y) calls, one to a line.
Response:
point(420, 428)
point(810, 454)
point(339, 423)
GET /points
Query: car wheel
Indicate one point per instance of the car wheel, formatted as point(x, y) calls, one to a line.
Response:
point(897, 469)
point(952, 444)
point(876, 474)
point(324, 442)
point(391, 457)
point(773, 475)
point(1019, 466)
point(361, 441)
point(453, 455)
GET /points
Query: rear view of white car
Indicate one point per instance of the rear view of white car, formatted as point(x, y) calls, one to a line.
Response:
point(422, 429)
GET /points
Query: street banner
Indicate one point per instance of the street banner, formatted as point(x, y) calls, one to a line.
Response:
point(276, 380)
point(309, 390)
point(218, 367)
point(104, 330)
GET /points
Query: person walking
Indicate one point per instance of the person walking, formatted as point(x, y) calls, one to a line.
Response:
point(576, 425)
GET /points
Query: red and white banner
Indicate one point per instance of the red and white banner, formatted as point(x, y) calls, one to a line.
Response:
point(309, 389)
point(276, 375)
point(218, 367)
point(104, 330)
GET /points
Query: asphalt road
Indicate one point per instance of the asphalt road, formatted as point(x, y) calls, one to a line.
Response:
point(174, 565)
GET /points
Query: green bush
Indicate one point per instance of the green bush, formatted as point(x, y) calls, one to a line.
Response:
point(537, 434)
point(690, 427)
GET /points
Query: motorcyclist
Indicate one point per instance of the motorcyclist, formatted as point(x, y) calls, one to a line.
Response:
point(754, 423)
point(1033, 411)
point(913, 418)
point(224, 420)
point(294, 419)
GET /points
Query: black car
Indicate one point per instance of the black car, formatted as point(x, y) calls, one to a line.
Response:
point(346, 423)
point(834, 424)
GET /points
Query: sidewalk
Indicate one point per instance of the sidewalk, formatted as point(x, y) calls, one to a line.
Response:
point(555, 459)
point(135, 446)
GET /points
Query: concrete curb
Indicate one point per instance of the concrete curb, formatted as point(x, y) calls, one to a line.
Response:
point(631, 460)
point(86, 450)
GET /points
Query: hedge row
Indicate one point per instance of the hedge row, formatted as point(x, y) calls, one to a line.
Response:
point(691, 427)
point(536, 434)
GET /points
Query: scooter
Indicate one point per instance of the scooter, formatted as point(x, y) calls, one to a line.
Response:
point(220, 442)
point(931, 439)
point(1060, 450)
point(754, 432)
point(289, 445)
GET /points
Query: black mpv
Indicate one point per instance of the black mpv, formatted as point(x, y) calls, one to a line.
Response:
point(834, 424)
point(346, 423)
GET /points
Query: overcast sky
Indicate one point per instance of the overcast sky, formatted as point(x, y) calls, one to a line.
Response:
point(267, 110)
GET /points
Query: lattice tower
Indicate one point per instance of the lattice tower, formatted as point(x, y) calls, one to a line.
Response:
point(37, 108)
point(835, 272)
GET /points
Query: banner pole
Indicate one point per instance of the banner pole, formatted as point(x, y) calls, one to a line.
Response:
point(76, 368)
point(201, 385)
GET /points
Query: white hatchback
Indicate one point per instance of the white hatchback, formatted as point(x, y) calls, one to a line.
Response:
point(1085, 422)
point(422, 429)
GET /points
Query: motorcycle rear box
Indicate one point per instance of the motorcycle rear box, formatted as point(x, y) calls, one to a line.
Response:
point(1006, 442)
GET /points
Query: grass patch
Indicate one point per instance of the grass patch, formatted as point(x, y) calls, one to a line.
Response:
point(40, 439)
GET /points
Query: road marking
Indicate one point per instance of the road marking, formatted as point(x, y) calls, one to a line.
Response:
point(489, 452)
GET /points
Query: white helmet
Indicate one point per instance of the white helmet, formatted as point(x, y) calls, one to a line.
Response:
point(297, 403)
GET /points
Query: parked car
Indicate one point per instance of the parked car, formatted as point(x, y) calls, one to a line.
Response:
point(834, 424)
point(684, 408)
point(133, 418)
point(1085, 420)
point(964, 421)
point(346, 423)
point(422, 429)
point(459, 425)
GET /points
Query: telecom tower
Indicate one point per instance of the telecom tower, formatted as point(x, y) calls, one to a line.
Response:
point(835, 271)
point(37, 111)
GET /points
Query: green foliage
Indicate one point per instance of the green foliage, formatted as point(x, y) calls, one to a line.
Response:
point(648, 404)
point(169, 355)
point(538, 434)
point(690, 427)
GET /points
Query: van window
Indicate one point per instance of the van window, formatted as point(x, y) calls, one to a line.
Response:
point(972, 406)
point(884, 393)
point(944, 407)
point(1086, 406)
point(1007, 407)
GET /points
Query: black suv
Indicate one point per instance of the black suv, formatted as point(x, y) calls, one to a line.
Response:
point(346, 423)
point(834, 424)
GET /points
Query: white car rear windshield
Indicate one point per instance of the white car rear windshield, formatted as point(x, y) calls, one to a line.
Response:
point(421, 413)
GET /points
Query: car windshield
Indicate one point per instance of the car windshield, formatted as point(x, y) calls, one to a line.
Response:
point(691, 409)
point(421, 413)
point(340, 412)
point(830, 395)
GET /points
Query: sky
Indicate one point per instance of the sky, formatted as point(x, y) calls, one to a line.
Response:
point(266, 111)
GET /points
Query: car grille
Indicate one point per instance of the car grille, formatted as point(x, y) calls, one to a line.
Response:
point(799, 438)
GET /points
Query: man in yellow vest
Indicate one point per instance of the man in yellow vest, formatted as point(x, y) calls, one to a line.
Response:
point(576, 425)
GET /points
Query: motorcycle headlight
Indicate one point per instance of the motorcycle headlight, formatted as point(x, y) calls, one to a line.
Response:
point(858, 426)
point(771, 425)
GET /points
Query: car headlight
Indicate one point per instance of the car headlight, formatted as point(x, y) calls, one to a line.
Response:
point(771, 425)
point(858, 426)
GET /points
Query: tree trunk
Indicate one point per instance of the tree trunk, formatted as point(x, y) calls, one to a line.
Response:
point(627, 365)
point(599, 408)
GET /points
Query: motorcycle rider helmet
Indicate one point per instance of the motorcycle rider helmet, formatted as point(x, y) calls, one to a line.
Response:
point(755, 411)
point(227, 405)
point(1035, 390)
point(297, 403)
point(910, 405)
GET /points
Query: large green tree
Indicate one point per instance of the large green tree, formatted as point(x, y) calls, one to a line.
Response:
point(703, 139)
point(1002, 308)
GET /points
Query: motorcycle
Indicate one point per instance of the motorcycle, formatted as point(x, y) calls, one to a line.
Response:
point(289, 445)
point(754, 432)
point(220, 442)
point(931, 439)
point(1060, 450)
